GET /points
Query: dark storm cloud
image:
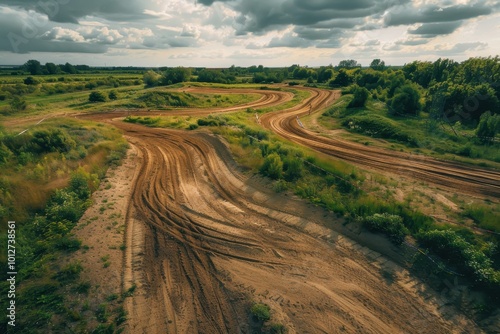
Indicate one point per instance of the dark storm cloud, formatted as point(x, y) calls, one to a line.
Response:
point(69, 11)
point(435, 29)
point(263, 15)
point(434, 14)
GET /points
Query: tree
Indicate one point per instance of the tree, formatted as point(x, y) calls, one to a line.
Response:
point(360, 97)
point(51, 68)
point(97, 97)
point(175, 75)
point(489, 126)
point(377, 64)
point(34, 67)
point(342, 79)
point(68, 68)
point(406, 101)
point(151, 78)
point(348, 63)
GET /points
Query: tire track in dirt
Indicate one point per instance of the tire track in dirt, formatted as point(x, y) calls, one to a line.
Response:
point(451, 175)
point(213, 239)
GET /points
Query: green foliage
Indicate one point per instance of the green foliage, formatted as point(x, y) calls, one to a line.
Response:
point(360, 97)
point(343, 79)
point(216, 76)
point(33, 66)
point(151, 78)
point(158, 99)
point(97, 97)
point(391, 225)
point(18, 103)
point(53, 140)
point(489, 126)
point(277, 329)
point(260, 312)
point(348, 63)
point(293, 169)
point(406, 101)
point(112, 95)
point(69, 273)
point(101, 313)
point(377, 64)
point(380, 127)
point(466, 256)
point(30, 81)
point(175, 75)
point(273, 166)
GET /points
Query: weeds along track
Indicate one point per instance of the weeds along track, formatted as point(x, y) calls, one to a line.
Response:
point(451, 175)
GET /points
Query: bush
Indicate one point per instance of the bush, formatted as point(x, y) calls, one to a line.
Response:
point(45, 141)
point(457, 251)
point(261, 312)
point(97, 97)
point(18, 104)
point(406, 101)
point(272, 167)
point(113, 95)
point(489, 126)
point(391, 225)
point(360, 97)
point(293, 169)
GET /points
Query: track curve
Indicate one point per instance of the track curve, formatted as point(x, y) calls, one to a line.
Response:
point(214, 239)
point(452, 175)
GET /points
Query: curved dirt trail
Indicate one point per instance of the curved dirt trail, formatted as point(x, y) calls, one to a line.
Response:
point(203, 240)
point(212, 239)
point(451, 175)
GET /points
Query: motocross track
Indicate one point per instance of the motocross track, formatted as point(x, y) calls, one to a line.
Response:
point(203, 240)
point(449, 175)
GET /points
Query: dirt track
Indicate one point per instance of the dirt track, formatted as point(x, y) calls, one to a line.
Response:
point(213, 239)
point(203, 240)
point(451, 175)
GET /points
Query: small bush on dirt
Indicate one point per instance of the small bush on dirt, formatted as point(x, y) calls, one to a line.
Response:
point(391, 225)
point(261, 312)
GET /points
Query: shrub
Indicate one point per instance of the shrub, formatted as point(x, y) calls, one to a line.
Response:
point(18, 104)
point(457, 251)
point(489, 126)
point(360, 97)
point(293, 169)
point(272, 167)
point(391, 225)
point(97, 97)
point(406, 101)
point(44, 141)
point(113, 95)
point(70, 273)
point(101, 313)
point(261, 312)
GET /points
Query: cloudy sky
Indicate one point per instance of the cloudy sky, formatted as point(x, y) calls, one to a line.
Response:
point(220, 33)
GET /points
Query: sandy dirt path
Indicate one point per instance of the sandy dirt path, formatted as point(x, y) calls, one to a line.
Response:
point(450, 175)
point(204, 240)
